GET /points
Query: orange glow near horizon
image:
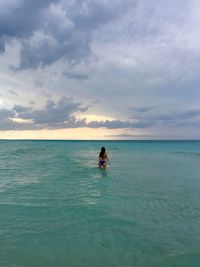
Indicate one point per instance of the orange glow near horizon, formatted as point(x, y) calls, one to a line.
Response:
point(67, 134)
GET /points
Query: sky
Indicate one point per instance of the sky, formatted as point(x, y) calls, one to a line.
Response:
point(99, 69)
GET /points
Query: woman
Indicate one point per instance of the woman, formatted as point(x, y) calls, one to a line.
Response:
point(103, 158)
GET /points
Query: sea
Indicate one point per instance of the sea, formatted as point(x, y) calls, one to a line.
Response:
point(58, 209)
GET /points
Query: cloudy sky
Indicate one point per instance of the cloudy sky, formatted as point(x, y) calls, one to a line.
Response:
point(100, 69)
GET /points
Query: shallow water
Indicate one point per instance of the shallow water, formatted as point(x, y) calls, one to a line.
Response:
point(58, 209)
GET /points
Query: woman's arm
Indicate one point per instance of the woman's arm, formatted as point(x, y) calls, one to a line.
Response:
point(107, 159)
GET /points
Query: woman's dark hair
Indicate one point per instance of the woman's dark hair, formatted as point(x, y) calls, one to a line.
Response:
point(103, 150)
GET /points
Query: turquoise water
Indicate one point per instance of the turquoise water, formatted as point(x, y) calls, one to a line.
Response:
point(58, 209)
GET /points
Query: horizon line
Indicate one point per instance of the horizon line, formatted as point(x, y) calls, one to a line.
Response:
point(104, 140)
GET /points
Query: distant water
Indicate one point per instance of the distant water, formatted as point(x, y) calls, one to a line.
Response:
point(58, 209)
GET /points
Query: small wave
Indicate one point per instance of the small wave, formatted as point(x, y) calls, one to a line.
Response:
point(19, 204)
point(188, 153)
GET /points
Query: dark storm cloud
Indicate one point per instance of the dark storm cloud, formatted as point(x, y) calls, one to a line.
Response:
point(20, 109)
point(68, 34)
point(5, 119)
point(51, 30)
point(168, 118)
point(53, 113)
point(6, 114)
point(19, 19)
point(61, 115)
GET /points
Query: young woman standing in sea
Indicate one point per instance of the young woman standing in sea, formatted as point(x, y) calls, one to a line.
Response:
point(103, 158)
